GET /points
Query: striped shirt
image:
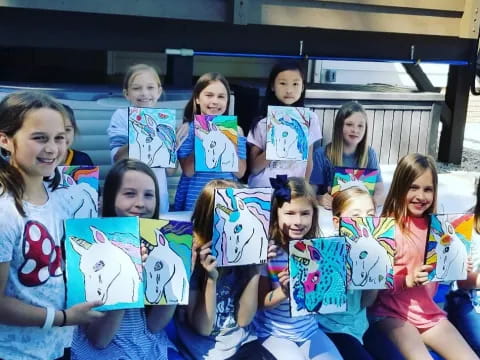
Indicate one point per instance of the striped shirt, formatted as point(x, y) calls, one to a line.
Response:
point(133, 341)
point(190, 187)
point(277, 321)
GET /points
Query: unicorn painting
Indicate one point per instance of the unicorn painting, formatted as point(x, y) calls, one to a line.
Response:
point(152, 136)
point(287, 133)
point(448, 246)
point(317, 276)
point(345, 178)
point(216, 143)
point(240, 226)
point(107, 265)
point(167, 268)
point(370, 251)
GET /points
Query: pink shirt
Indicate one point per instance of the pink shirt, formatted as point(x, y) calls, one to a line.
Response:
point(416, 304)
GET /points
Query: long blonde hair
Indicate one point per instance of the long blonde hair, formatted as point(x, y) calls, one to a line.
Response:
point(409, 168)
point(299, 189)
point(202, 216)
point(334, 150)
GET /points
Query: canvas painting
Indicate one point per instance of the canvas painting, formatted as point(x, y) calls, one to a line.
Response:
point(448, 246)
point(317, 276)
point(216, 143)
point(80, 184)
point(151, 136)
point(287, 133)
point(370, 252)
point(345, 178)
point(103, 262)
point(168, 265)
point(240, 226)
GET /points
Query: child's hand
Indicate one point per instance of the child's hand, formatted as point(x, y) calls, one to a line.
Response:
point(325, 200)
point(208, 261)
point(83, 313)
point(272, 250)
point(469, 264)
point(182, 134)
point(284, 279)
point(420, 276)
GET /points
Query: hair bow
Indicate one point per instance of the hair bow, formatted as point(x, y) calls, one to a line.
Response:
point(282, 190)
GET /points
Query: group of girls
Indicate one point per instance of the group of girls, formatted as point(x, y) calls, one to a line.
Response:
point(233, 313)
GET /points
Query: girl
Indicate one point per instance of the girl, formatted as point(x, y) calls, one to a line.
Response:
point(294, 215)
point(408, 315)
point(73, 157)
point(130, 190)
point(222, 302)
point(32, 288)
point(349, 149)
point(142, 88)
point(347, 329)
point(286, 87)
point(463, 305)
point(211, 96)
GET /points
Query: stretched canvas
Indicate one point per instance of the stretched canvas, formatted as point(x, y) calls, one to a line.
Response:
point(448, 246)
point(151, 136)
point(240, 226)
point(103, 262)
point(287, 133)
point(345, 178)
point(370, 252)
point(168, 265)
point(80, 184)
point(216, 143)
point(317, 276)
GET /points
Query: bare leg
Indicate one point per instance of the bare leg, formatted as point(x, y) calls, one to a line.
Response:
point(406, 337)
point(445, 339)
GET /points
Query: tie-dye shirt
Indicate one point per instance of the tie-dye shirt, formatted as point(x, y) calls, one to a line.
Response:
point(277, 321)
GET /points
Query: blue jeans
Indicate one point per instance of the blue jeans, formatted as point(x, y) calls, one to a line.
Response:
point(464, 317)
point(349, 347)
point(379, 345)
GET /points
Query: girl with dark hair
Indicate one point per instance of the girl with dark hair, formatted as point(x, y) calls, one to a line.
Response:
point(211, 96)
point(72, 156)
point(130, 189)
point(32, 287)
point(286, 87)
point(348, 148)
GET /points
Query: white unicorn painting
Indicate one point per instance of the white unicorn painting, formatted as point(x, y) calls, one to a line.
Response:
point(215, 143)
point(287, 133)
point(369, 262)
point(104, 268)
point(152, 136)
point(240, 226)
point(165, 274)
point(449, 239)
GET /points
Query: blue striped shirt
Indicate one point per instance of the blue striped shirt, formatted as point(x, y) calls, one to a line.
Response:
point(190, 187)
point(277, 321)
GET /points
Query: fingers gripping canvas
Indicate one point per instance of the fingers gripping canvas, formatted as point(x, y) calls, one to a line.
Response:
point(448, 246)
point(240, 226)
point(80, 187)
point(216, 143)
point(317, 276)
point(168, 265)
point(345, 178)
point(287, 133)
point(370, 252)
point(104, 263)
point(151, 136)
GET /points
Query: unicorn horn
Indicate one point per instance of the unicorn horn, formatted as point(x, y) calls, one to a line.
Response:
point(83, 243)
point(224, 209)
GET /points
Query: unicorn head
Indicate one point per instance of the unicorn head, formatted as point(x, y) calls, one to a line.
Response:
point(451, 254)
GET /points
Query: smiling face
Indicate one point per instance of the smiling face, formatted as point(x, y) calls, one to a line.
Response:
point(295, 218)
point(420, 195)
point(136, 196)
point(288, 86)
point(144, 89)
point(354, 129)
point(213, 99)
point(39, 145)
